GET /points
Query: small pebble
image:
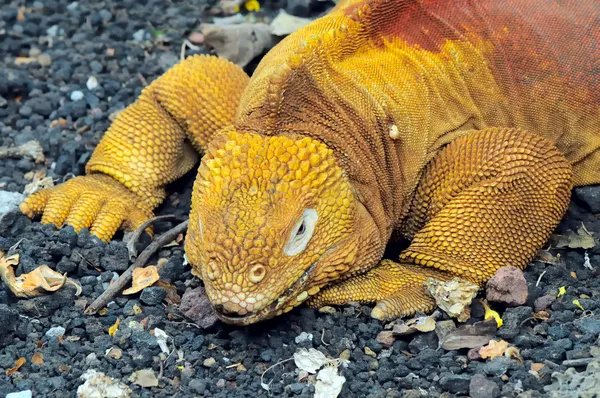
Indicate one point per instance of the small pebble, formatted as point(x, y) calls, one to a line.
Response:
point(20, 394)
point(91, 83)
point(55, 332)
point(76, 95)
point(302, 337)
point(508, 286)
point(44, 60)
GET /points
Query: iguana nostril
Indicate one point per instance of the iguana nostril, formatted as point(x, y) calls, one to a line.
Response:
point(257, 273)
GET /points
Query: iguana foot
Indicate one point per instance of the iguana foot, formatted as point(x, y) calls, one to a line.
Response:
point(397, 288)
point(95, 201)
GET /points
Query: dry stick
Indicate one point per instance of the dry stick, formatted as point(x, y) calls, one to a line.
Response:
point(125, 278)
point(133, 237)
point(578, 362)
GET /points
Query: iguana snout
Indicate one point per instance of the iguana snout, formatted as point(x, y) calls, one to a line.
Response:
point(273, 220)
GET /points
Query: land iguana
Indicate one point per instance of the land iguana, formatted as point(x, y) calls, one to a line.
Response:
point(462, 125)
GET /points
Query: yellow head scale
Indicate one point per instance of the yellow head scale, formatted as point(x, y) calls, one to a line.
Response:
point(271, 222)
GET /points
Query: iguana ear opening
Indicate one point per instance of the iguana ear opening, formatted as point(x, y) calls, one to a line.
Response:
point(302, 232)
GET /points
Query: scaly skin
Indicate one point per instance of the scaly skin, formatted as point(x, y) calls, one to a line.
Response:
point(461, 124)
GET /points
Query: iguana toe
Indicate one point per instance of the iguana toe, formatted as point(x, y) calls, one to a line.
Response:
point(95, 201)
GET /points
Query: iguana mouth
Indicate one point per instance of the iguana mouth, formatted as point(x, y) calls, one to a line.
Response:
point(276, 307)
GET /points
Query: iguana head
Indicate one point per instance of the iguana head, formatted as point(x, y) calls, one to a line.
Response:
point(273, 219)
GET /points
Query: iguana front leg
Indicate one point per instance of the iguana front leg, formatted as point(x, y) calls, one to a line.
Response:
point(490, 198)
point(146, 147)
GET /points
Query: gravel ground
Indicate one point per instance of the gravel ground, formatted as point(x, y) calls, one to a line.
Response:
point(123, 45)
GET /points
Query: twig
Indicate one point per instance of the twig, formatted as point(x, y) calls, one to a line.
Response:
point(125, 278)
point(16, 245)
point(577, 362)
point(540, 278)
point(187, 44)
point(142, 79)
point(132, 238)
point(267, 386)
point(323, 341)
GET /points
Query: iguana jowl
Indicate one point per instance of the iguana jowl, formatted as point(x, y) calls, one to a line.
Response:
point(462, 124)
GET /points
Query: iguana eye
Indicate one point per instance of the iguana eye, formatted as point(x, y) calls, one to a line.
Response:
point(302, 232)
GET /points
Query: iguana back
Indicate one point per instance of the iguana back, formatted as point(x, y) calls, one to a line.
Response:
point(433, 70)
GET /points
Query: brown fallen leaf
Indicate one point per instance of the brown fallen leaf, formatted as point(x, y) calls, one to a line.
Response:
point(386, 338)
point(453, 297)
point(37, 358)
point(24, 60)
point(420, 324)
point(238, 43)
point(536, 367)
point(582, 239)
point(469, 336)
point(39, 182)
point(493, 349)
point(514, 353)
point(18, 363)
point(40, 281)
point(114, 353)
point(172, 295)
point(144, 378)
point(542, 315)
point(31, 149)
point(142, 278)
point(546, 257)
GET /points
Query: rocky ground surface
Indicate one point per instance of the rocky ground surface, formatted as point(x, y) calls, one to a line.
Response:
point(66, 68)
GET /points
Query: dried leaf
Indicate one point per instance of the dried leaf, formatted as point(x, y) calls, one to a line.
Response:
point(546, 257)
point(420, 324)
point(493, 349)
point(144, 378)
point(18, 363)
point(39, 182)
point(581, 239)
point(38, 282)
point(536, 367)
point(329, 383)
point(541, 315)
point(386, 338)
point(238, 43)
point(161, 339)
point(97, 384)
point(586, 261)
point(284, 24)
point(24, 60)
point(114, 353)
point(142, 278)
point(454, 297)
point(113, 329)
point(173, 297)
point(37, 358)
point(491, 314)
point(468, 336)
point(514, 353)
point(309, 360)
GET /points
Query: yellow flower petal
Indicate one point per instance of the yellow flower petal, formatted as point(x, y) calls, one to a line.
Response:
point(561, 291)
point(113, 329)
point(490, 313)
